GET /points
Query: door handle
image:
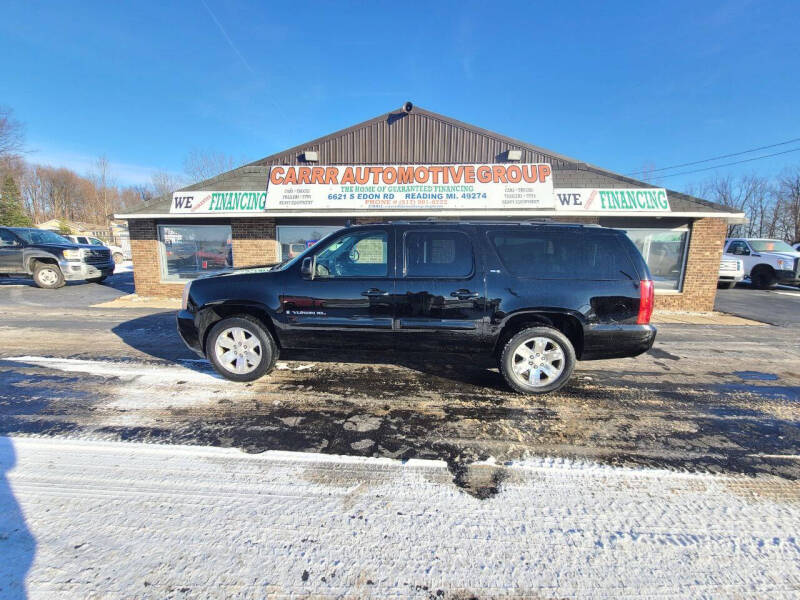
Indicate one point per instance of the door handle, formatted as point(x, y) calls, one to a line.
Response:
point(374, 292)
point(463, 294)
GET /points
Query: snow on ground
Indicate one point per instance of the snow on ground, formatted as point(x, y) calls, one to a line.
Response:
point(116, 519)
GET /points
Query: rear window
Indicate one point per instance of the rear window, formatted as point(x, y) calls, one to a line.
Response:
point(562, 254)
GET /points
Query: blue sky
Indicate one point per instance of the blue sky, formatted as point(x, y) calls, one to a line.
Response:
point(619, 85)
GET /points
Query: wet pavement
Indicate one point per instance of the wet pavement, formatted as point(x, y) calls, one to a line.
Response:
point(780, 307)
point(706, 398)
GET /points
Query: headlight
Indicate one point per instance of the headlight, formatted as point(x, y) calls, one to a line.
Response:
point(781, 264)
point(185, 297)
point(73, 254)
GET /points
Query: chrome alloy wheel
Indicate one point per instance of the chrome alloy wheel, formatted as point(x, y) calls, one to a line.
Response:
point(538, 362)
point(48, 276)
point(238, 350)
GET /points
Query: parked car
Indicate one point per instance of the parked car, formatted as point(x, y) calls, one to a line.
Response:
point(536, 297)
point(117, 253)
point(766, 262)
point(731, 271)
point(51, 259)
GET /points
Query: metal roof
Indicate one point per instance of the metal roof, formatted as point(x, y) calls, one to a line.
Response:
point(425, 137)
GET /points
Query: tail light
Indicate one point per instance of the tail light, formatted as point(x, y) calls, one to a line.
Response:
point(646, 299)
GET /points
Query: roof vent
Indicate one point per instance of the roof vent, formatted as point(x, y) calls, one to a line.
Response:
point(408, 107)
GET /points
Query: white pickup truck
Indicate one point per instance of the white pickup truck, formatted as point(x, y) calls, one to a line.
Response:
point(117, 253)
point(766, 262)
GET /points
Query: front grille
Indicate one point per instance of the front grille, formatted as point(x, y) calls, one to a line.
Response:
point(728, 265)
point(97, 257)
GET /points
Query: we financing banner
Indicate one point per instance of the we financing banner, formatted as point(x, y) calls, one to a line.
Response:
point(393, 187)
point(218, 202)
point(578, 200)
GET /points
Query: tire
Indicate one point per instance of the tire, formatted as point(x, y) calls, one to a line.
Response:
point(47, 276)
point(763, 277)
point(225, 331)
point(118, 258)
point(726, 285)
point(546, 340)
point(97, 279)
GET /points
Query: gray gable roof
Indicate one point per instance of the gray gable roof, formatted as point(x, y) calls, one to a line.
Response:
point(425, 137)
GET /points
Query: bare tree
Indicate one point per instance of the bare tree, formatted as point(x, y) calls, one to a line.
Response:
point(200, 165)
point(749, 194)
point(102, 180)
point(164, 183)
point(789, 199)
point(12, 133)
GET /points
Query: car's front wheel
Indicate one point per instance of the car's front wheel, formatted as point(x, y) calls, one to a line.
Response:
point(241, 349)
point(47, 275)
point(537, 360)
point(763, 277)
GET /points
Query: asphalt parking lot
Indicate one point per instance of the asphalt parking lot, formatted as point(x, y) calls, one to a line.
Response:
point(780, 307)
point(706, 398)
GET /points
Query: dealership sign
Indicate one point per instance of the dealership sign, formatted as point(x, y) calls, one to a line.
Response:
point(612, 200)
point(406, 187)
point(218, 202)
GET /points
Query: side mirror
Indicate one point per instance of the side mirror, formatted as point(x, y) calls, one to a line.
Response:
point(307, 268)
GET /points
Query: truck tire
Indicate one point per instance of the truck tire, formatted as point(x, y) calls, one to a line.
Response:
point(118, 258)
point(241, 348)
point(726, 285)
point(537, 360)
point(763, 277)
point(47, 275)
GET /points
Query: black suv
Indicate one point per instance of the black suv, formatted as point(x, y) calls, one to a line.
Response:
point(51, 259)
point(536, 296)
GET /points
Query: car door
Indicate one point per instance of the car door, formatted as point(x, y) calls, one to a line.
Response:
point(345, 300)
point(440, 299)
point(10, 252)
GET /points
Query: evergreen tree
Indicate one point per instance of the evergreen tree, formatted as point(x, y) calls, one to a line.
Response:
point(12, 213)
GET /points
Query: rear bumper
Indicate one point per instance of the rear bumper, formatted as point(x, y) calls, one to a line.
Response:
point(616, 341)
point(188, 331)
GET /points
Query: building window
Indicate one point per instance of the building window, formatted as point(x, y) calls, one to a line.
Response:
point(664, 250)
point(294, 239)
point(188, 251)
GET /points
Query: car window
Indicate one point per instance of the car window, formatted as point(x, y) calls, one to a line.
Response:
point(770, 246)
point(359, 254)
point(7, 238)
point(739, 248)
point(82, 240)
point(437, 254)
point(562, 255)
point(96, 242)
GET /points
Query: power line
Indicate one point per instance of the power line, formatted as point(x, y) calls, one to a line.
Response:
point(698, 162)
point(736, 162)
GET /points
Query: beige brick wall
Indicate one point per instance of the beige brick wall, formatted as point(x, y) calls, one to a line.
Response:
point(146, 266)
point(702, 269)
point(254, 242)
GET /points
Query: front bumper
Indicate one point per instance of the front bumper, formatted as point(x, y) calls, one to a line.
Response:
point(74, 270)
point(786, 276)
point(616, 341)
point(189, 332)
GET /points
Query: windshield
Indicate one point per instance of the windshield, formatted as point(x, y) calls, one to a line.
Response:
point(771, 246)
point(41, 236)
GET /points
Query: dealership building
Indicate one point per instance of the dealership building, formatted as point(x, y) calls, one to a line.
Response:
point(413, 164)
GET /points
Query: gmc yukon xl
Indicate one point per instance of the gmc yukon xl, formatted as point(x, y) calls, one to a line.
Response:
point(536, 297)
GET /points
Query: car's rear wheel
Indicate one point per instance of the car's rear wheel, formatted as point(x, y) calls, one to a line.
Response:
point(47, 276)
point(241, 349)
point(763, 277)
point(118, 258)
point(537, 360)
